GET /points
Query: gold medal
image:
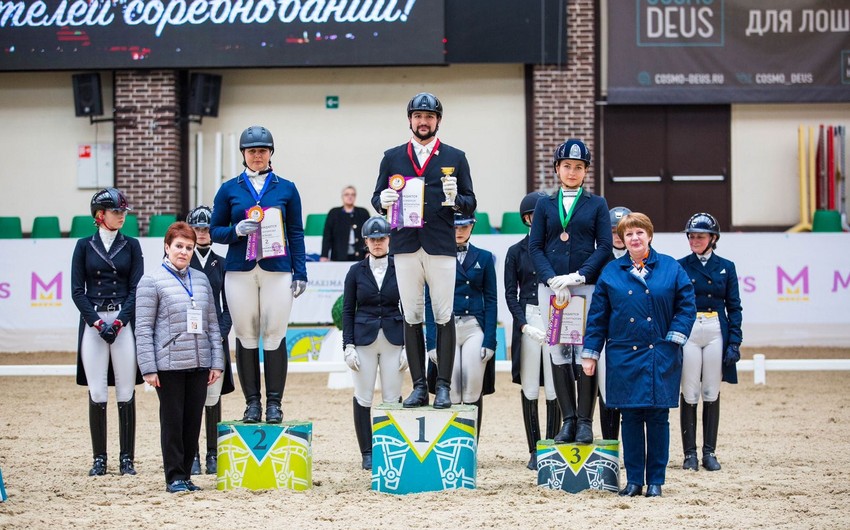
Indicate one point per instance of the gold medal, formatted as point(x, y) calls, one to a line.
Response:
point(565, 236)
point(255, 213)
point(397, 182)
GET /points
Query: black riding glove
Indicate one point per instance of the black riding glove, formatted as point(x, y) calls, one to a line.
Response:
point(108, 333)
point(732, 355)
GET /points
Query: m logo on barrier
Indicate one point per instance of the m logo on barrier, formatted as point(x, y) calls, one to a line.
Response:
point(787, 287)
point(46, 294)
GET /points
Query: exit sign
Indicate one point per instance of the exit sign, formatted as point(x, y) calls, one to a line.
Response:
point(331, 102)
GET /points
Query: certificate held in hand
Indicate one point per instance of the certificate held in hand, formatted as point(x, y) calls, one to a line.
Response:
point(407, 211)
point(567, 322)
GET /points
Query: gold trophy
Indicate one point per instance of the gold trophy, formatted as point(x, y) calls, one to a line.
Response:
point(447, 172)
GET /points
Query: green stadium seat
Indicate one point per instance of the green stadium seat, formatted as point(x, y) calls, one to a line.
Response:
point(46, 227)
point(82, 226)
point(315, 225)
point(159, 224)
point(512, 224)
point(482, 224)
point(826, 221)
point(131, 226)
point(10, 228)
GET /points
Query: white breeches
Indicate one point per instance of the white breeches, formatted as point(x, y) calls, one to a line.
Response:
point(532, 359)
point(260, 302)
point(468, 367)
point(96, 353)
point(385, 355)
point(702, 368)
point(413, 270)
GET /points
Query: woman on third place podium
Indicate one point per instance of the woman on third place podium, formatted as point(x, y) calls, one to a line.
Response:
point(260, 291)
point(105, 270)
point(713, 347)
point(529, 366)
point(178, 344)
point(570, 242)
point(475, 307)
point(372, 330)
point(642, 312)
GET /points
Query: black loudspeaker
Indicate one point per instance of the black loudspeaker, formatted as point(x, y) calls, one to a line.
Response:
point(204, 93)
point(87, 99)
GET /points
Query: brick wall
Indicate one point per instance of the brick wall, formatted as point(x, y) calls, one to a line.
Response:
point(147, 153)
point(564, 96)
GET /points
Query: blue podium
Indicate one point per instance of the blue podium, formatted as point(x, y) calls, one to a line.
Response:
point(423, 449)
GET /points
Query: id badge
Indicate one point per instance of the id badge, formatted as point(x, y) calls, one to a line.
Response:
point(194, 321)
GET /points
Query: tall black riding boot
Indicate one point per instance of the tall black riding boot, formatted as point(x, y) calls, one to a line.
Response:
point(248, 370)
point(480, 407)
point(553, 418)
point(212, 417)
point(97, 426)
point(710, 424)
point(127, 435)
point(587, 390)
point(276, 363)
point(414, 346)
point(610, 420)
point(563, 378)
point(363, 430)
point(532, 428)
point(688, 421)
point(446, 339)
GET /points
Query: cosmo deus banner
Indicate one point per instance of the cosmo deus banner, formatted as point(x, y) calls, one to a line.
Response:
point(86, 34)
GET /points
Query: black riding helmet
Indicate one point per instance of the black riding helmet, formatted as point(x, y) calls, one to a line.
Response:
point(425, 101)
point(572, 149)
point(705, 223)
point(375, 228)
point(528, 203)
point(200, 217)
point(109, 199)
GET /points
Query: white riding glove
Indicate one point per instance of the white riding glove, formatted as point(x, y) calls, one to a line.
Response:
point(487, 354)
point(562, 296)
point(298, 287)
point(450, 187)
point(352, 359)
point(534, 334)
point(247, 226)
point(388, 197)
point(557, 283)
point(575, 278)
point(432, 354)
point(402, 361)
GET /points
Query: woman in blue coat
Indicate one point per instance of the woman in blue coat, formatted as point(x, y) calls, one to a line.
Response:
point(642, 312)
point(260, 288)
point(713, 347)
point(372, 330)
point(570, 242)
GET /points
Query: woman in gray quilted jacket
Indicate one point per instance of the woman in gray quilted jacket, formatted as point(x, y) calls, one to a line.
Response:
point(178, 345)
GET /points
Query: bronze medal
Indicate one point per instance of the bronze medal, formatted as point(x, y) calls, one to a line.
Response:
point(565, 236)
point(256, 213)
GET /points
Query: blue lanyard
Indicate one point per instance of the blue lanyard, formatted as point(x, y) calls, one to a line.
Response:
point(258, 196)
point(188, 289)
